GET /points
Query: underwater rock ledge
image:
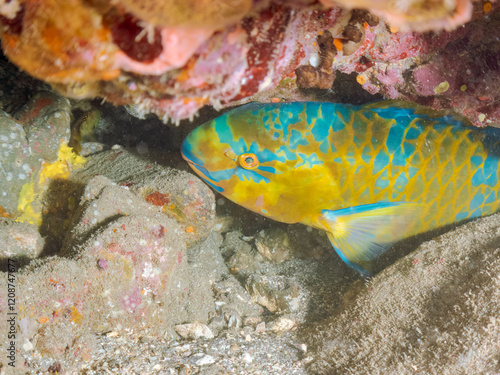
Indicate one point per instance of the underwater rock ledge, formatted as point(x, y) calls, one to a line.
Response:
point(123, 53)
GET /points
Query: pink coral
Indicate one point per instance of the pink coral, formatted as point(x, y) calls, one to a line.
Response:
point(414, 15)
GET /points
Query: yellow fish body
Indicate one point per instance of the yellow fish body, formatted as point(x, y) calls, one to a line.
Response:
point(368, 175)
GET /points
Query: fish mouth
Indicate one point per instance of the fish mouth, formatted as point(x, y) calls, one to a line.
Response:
point(194, 166)
point(201, 171)
point(198, 169)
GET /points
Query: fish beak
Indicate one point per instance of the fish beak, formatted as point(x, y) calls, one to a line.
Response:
point(203, 173)
point(196, 167)
point(187, 153)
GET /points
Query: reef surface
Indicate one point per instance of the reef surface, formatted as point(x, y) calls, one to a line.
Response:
point(167, 58)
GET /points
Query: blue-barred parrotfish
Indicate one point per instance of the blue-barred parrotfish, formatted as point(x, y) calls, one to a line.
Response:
point(368, 175)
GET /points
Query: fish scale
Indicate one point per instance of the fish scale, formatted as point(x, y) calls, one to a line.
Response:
point(368, 175)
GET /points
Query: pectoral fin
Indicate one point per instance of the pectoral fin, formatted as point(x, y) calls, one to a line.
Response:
point(362, 233)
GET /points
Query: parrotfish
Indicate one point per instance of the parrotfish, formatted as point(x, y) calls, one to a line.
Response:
point(368, 175)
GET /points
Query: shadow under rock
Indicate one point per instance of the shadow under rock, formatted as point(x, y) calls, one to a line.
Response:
point(345, 90)
point(16, 263)
point(60, 204)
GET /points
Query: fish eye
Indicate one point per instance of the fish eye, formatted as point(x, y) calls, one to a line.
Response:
point(248, 161)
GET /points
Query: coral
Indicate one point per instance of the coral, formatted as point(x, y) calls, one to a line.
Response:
point(184, 198)
point(320, 73)
point(212, 14)
point(124, 52)
point(46, 119)
point(157, 57)
point(16, 161)
point(415, 15)
point(128, 262)
point(418, 69)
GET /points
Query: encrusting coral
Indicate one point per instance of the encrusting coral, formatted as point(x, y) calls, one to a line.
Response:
point(164, 57)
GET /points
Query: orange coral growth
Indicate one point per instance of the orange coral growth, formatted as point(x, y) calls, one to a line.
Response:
point(338, 44)
point(158, 199)
point(360, 79)
point(61, 42)
point(76, 317)
point(78, 41)
point(4, 213)
point(212, 14)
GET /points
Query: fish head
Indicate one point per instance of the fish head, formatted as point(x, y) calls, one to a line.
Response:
point(245, 156)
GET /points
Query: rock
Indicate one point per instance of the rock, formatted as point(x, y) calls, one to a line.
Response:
point(217, 324)
point(102, 201)
point(276, 293)
point(274, 244)
point(246, 357)
point(243, 264)
point(205, 360)
point(233, 243)
point(194, 331)
point(19, 239)
point(233, 299)
point(177, 194)
point(33, 154)
point(92, 148)
point(438, 308)
point(54, 339)
point(16, 162)
point(128, 261)
point(202, 275)
point(233, 319)
point(46, 121)
point(240, 258)
point(206, 259)
point(283, 323)
point(261, 327)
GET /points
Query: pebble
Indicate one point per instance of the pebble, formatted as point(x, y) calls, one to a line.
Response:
point(274, 245)
point(182, 348)
point(205, 360)
point(19, 239)
point(194, 331)
point(246, 357)
point(276, 293)
point(261, 327)
point(283, 324)
point(27, 345)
